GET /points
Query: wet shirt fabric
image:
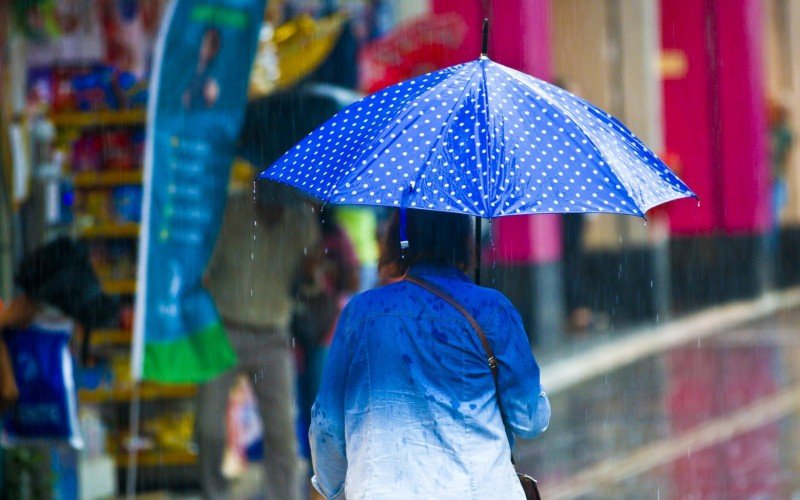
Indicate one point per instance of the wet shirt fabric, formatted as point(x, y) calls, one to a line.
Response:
point(407, 406)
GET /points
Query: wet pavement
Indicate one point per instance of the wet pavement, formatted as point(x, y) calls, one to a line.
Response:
point(711, 416)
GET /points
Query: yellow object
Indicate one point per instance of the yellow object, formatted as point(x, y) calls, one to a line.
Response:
point(105, 118)
point(299, 45)
point(242, 175)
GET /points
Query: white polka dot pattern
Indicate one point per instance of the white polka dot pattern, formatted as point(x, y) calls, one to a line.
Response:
point(481, 139)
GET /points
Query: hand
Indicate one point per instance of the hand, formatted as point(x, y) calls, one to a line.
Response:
point(9, 393)
point(18, 314)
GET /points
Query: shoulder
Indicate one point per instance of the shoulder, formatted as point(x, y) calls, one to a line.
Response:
point(492, 304)
point(376, 299)
point(485, 297)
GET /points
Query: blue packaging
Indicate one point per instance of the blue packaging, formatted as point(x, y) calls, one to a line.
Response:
point(46, 411)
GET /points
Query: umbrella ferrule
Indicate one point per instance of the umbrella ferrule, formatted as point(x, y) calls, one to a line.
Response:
point(485, 40)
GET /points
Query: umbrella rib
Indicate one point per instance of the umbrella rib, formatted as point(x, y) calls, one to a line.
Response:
point(565, 110)
point(487, 143)
point(366, 150)
point(446, 125)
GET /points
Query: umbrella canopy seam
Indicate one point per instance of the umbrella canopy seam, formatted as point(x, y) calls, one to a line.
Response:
point(521, 77)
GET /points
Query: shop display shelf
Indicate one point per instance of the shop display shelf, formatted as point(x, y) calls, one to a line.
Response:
point(111, 337)
point(112, 230)
point(119, 287)
point(106, 118)
point(146, 392)
point(157, 458)
point(107, 179)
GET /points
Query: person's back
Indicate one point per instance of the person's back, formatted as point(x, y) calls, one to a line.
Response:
point(408, 407)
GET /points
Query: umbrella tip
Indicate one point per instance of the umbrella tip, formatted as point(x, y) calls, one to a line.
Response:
point(485, 42)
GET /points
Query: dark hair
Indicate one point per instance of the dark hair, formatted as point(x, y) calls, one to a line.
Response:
point(60, 273)
point(438, 238)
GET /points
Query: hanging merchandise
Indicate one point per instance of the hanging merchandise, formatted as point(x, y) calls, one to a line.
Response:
point(74, 33)
point(36, 19)
point(416, 47)
point(197, 102)
point(293, 51)
point(46, 411)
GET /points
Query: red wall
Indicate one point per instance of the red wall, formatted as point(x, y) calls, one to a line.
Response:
point(714, 115)
point(688, 114)
point(746, 176)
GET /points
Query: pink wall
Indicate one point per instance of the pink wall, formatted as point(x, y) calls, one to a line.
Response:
point(715, 115)
point(746, 175)
point(688, 115)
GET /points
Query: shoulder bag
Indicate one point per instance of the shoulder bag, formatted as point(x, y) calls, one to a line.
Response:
point(529, 484)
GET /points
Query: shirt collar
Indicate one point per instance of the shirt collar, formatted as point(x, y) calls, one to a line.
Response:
point(438, 270)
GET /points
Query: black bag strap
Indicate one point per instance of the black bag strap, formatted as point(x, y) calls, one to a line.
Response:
point(492, 360)
point(529, 484)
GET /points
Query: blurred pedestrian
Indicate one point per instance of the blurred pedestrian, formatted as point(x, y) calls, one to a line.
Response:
point(319, 304)
point(361, 226)
point(260, 252)
point(781, 140)
point(18, 314)
point(408, 406)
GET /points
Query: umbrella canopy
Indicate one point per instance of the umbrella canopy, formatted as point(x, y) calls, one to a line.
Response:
point(479, 139)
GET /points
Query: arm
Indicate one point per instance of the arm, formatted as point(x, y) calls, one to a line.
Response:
point(326, 433)
point(525, 404)
point(9, 392)
point(18, 314)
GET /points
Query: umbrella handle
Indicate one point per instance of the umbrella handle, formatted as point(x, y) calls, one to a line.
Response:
point(485, 41)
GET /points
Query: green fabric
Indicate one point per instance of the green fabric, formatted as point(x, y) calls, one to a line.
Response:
point(361, 225)
point(193, 359)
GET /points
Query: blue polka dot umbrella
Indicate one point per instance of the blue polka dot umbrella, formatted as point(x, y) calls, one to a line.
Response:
point(480, 139)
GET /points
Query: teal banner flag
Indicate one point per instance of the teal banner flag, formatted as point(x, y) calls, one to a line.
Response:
point(196, 108)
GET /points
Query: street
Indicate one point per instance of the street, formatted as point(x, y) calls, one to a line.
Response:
point(713, 413)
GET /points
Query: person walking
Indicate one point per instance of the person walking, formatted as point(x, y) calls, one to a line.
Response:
point(260, 253)
point(408, 406)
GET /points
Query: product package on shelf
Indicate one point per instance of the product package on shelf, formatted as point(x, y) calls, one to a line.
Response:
point(86, 88)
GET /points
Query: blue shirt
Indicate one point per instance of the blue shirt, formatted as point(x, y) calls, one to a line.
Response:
point(407, 406)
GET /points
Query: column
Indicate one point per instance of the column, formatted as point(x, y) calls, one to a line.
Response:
point(746, 179)
point(715, 124)
point(644, 253)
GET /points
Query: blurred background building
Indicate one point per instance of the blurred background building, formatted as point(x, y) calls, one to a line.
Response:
point(713, 86)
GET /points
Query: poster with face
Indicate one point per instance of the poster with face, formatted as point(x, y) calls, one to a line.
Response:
point(197, 99)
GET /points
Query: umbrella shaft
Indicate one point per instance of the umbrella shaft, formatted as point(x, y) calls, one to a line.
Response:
point(477, 250)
